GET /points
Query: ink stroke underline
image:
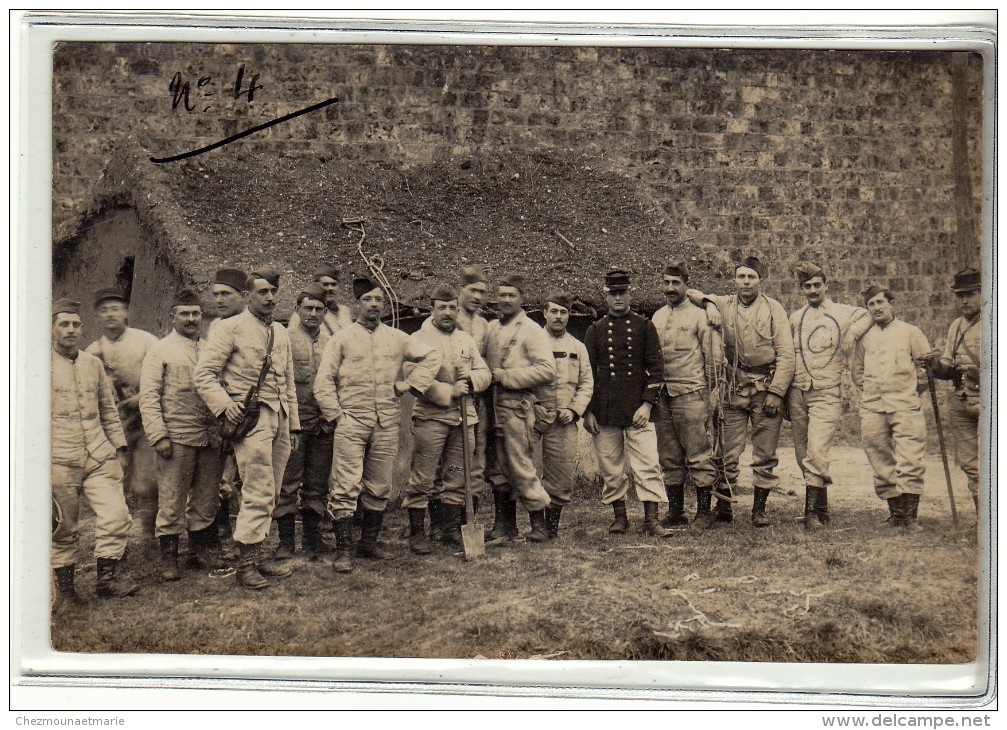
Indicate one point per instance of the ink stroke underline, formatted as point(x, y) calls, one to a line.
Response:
point(246, 133)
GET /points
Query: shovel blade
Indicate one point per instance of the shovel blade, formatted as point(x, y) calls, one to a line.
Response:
point(473, 541)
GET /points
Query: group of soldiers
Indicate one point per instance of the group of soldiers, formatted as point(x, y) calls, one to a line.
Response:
point(306, 417)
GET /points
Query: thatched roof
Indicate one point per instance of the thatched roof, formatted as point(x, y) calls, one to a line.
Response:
point(560, 220)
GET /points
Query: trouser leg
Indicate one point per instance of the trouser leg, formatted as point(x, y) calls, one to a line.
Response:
point(67, 482)
point(964, 417)
point(350, 446)
point(641, 452)
point(609, 446)
point(876, 433)
point(824, 412)
point(559, 462)
point(379, 467)
point(765, 435)
point(429, 439)
point(909, 435)
point(293, 478)
point(174, 482)
point(261, 457)
point(518, 433)
point(103, 489)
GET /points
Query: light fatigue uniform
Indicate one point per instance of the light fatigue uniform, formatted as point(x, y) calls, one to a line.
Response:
point(332, 322)
point(573, 389)
point(308, 468)
point(188, 481)
point(520, 349)
point(892, 425)
point(759, 352)
point(437, 421)
point(962, 350)
point(229, 364)
point(478, 328)
point(625, 357)
point(355, 388)
point(86, 433)
point(814, 399)
point(123, 359)
point(683, 407)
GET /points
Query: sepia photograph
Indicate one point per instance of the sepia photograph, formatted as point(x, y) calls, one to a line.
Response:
point(549, 348)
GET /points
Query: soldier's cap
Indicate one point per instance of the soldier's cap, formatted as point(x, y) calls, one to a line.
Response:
point(472, 275)
point(362, 285)
point(616, 280)
point(515, 280)
point(967, 280)
point(805, 271)
point(186, 298)
point(234, 278)
point(677, 267)
point(65, 306)
point(751, 262)
point(873, 290)
point(443, 293)
point(314, 290)
point(269, 273)
point(326, 270)
point(560, 298)
point(109, 293)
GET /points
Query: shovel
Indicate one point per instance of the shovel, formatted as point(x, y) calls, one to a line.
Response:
point(473, 537)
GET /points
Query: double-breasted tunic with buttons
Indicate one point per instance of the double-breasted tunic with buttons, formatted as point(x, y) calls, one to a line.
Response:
point(625, 355)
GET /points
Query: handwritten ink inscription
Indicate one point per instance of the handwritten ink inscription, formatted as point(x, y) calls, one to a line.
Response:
point(183, 94)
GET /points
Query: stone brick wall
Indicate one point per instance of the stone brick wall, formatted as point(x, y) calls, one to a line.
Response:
point(842, 157)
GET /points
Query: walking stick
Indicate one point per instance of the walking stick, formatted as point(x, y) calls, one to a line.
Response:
point(473, 537)
point(940, 439)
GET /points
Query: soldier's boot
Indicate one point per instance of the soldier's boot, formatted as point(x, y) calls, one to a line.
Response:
point(552, 516)
point(286, 527)
point(505, 519)
point(202, 556)
point(418, 541)
point(453, 516)
point(246, 571)
point(895, 518)
point(704, 497)
point(651, 524)
point(311, 535)
point(109, 584)
point(273, 567)
point(759, 518)
point(370, 528)
point(811, 497)
point(169, 558)
point(822, 507)
point(723, 512)
point(675, 518)
point(539, 531)
point(910, 508)
point(620, 525)
point(343, 530)
point(66, 598)
point(436, 509)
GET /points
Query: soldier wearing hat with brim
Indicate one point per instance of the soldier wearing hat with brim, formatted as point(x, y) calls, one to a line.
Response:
point(121, 350)
point(520, 357)
point(814, 401)
point(437, 425)
point(181, 430)
point(88, 455)
point(961, 363)
point(306, 478)
point(337, 316)
point(357, 388)
point(625, 355)
point(760, 360)
point(237, 352)
point(892, 425)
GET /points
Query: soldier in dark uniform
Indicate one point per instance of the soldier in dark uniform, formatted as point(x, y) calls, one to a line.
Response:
point(625, 355)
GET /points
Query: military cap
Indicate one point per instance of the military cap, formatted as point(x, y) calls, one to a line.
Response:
point(362, 285)
point(677, 268)
point(515, 280)
point(873, 290)
point(443, 293)
point(616, 280)
point(326, 270)
point(560, 297)
point(806, 271)
point(65, 306)
point(234, 278)
point(751, 262)
point(186, 298)
point(313, 290)
point(472, 275)
point(967, 280)
point(104, 295)
point(269, 273)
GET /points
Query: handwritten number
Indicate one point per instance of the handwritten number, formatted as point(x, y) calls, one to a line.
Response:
point(252, 88)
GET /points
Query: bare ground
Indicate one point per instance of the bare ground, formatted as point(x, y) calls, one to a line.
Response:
point(859, 592)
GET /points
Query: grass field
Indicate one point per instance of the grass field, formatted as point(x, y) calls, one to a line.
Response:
point(859, 592)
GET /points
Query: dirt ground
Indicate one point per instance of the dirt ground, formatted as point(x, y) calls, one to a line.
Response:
point(859, 592)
